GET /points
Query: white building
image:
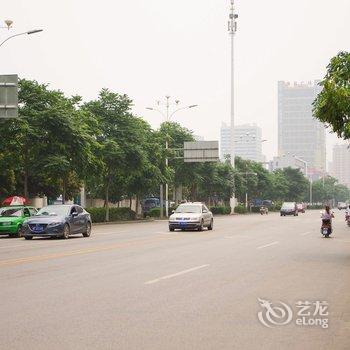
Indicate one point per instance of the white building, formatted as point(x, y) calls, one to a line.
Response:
point(340, 166)
point(247, 142)
point(299, 133)
point(225, 141)
point(288, 161)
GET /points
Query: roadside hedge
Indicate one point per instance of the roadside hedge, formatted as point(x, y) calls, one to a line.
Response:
point(240, 209)
point(220, 210)
point(115, 214)
point(154, 213)
point(315, 206)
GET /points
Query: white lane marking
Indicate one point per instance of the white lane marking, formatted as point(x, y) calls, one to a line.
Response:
point(305, 233)
point(267, 245)
point(177, 274)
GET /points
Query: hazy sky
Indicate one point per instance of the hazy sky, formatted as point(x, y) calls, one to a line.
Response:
point(148, 49)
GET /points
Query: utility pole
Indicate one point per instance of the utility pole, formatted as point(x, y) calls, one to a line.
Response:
point(232, 28)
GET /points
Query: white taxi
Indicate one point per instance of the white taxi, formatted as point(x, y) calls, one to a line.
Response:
point(191, 216)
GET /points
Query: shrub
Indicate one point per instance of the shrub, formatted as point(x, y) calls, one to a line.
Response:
point(115, 214)
point(220, 210)
point(240, 209)
point(155, 212)
point(315, 206)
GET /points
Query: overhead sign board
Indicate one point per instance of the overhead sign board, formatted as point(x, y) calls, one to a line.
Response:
point(9, 96)
point(201, 151)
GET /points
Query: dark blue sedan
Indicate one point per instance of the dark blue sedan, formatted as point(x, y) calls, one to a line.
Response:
point(58, 221)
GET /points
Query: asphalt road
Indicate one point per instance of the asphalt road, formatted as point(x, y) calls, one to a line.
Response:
point(137, 286)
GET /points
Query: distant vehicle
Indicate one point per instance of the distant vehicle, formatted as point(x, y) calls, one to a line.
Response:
point(301, 207)
point(289, 208)
point(58, 221)
point(256, 202)
point(149, 203)
point(12, 218)
point(191, 216)
point(342, 205)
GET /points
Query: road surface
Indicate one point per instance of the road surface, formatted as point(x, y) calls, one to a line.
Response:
point(138, 286)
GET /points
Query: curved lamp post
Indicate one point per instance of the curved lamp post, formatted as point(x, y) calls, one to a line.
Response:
point(34, 31)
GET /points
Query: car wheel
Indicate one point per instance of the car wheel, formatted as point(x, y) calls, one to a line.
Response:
point(28, 237)
point(171, 229)
point(200, 228)
point(87, 233)
point(210, 227)
point(20, 232)
point(66, 231)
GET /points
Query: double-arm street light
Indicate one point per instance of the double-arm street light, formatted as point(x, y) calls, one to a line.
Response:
point(34, 31)
point(167, 117)
point(246, 173)
point(307, 175)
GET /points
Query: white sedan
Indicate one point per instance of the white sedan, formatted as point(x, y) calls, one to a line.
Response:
point(191, 216)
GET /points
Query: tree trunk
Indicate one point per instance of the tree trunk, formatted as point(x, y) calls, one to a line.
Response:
point(26, 194)
point(137, 205)
point(130, 202)
point(107, 199)
point(64, 186)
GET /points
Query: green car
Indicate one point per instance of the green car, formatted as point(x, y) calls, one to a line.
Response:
point(11, 219)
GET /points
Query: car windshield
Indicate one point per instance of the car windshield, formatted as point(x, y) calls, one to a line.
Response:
point(188, 209)
point(54, 210)
point(288, 206)
point(17, 212)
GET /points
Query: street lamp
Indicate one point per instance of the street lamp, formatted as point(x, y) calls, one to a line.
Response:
point(306, 175)
point(246, 173)
point(34, 31)
point(167, 118)
point(232, 29)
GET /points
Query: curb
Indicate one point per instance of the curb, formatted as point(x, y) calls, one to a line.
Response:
point(122, 222)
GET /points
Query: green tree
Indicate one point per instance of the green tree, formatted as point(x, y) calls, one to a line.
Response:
point(120, 139)
point(49, 146)
point(332, 105)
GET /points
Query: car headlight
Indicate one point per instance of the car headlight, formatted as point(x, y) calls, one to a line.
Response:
point(54, 224)
point(171, 217)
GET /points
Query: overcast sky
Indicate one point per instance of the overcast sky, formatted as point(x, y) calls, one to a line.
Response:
point(148, 49)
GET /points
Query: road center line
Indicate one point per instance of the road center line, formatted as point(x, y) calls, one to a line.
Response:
point(305, 233)
point(176, 274)
point(267, 245)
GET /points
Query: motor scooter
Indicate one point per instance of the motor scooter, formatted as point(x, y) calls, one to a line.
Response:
point(326, 228)
point(347, 218)
point(264, 210)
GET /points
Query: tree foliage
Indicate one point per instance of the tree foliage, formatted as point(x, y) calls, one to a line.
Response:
point(332, 105)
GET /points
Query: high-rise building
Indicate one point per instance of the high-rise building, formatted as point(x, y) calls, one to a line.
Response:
point(225, 141)
point(247, 142)
point(340, 166)
point(299, 133)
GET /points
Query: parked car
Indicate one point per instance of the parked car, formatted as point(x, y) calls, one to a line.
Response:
point(12, 218)
point(58, 221)
point(149, 203)
point(289, 208)
point(301, 207)
point(191, 216)
point(342, 205)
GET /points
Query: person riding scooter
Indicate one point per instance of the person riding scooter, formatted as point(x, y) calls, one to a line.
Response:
point(327, 216)
point(264, 210)
point(347, 215)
